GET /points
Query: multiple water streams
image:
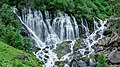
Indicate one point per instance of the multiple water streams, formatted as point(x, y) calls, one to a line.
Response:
point(47, 31)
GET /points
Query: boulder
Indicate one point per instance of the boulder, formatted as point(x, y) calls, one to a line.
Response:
point(100, 48)
point(62, 49)
point(113, 41)
point(24, 32)
point(77, 63)
point(22, 57)
point(107, 32)
point(115, 38)
point(103, 41)
point(60, 63)
point(77, 44)
point(114, 56)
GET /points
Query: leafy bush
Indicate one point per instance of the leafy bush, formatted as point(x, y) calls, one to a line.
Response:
point(10, 30)
point(115, 24)
point(78, 8)
point(116, 6)
point(101, 61)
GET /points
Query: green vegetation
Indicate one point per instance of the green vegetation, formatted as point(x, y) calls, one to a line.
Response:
point(78, 8)
point(115, 22)
point(10, 34)
point(101, 61)
point(10, 26)
point(10, 30)
point(9, 56)
point(62, 49)
point(116, 6)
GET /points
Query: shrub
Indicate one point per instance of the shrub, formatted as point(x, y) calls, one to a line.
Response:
point(10, 30)
point(101, 61)
point(78, 8)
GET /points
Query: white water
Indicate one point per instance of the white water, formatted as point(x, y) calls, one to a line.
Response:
point(47, 31)
point(94, 37)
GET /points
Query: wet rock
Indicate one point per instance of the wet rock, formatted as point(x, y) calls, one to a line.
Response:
point(77, 63)
point(46, 56)
point(87, 52)
point(77, 44)
point(35, 49)
point(114, 56)
point(103, 41)
point(44, 50)
point(93, 62)
point(95, 47)
point(22, 57)
point(59, 63)
point(107, 32)
point(100, 48)
point(63, 49)
point(76, 55)
point(24, 32)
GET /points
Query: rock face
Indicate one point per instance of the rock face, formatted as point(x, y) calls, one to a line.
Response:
point(107, 32)
point(111, 46)
point(76, 63)
point(62, 49)
point(77, 44)
point(24, 32)
point(114, 57)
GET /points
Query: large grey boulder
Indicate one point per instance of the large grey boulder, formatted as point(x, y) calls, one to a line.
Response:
point(114, 56)
point(62, 49)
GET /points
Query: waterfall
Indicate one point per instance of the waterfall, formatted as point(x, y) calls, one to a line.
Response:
point(47, 31)
point(94, 37)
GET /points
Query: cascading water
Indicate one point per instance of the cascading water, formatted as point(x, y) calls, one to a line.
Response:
point(94, 37)
point(47, 32)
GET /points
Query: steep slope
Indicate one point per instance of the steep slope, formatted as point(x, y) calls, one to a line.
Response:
point(12, 57)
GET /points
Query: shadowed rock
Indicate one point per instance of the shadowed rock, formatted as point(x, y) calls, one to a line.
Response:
point(114, 56)
point(22, 57)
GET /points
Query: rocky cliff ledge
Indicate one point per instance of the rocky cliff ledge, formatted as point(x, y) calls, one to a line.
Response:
point(110, 44)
